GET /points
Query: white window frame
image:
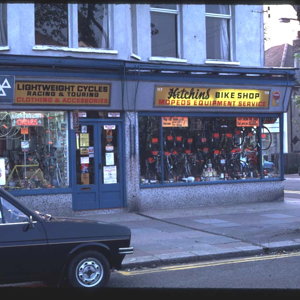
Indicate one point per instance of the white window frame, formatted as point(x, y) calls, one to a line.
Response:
point(227, 17)
point(134, 36)
point(176, 12)
point(73, 35)
point(5, 47)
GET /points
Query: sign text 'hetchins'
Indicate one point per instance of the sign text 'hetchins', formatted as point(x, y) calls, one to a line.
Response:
point(211, 97)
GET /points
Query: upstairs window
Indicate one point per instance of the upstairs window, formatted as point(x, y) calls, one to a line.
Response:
point(164, 29)
point(3, 24)
point(51, 24)
point(93, 25)
point(72, 25)
point(218, 28)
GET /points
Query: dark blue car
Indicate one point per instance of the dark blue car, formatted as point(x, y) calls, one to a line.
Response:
point(60, 251)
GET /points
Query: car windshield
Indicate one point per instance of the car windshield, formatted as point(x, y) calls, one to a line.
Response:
point(10, 214)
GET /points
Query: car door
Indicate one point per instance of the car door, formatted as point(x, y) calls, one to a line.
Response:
point(22, 244)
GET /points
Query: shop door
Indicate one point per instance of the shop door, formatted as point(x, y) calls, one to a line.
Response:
point(98, 166)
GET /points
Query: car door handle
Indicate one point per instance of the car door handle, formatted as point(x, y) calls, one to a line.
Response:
point(85, 188)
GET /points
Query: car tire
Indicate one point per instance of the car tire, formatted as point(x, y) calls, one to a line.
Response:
point(89, 269)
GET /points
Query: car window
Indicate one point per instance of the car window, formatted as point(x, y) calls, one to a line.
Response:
point(10, 214)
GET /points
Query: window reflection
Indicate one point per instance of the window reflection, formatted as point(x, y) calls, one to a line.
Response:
point(51, 24)
point(3, 24)
point(93, 25)
point(164, 34)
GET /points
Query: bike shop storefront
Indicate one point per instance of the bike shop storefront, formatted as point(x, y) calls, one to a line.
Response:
point(211, 144)
point(61, 145)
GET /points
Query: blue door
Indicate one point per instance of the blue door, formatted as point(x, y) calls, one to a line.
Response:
point(98, 170)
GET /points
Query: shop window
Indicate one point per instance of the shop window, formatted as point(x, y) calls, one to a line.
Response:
point(150, 154)
point(218, 28)
point(53, 25)
point(270, 139)
point(33, 150)
point(164, 27)
point(3, 24)
point(200, 149)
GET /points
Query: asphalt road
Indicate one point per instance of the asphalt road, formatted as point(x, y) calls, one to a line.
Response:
point(278, 271)
point(272, 273)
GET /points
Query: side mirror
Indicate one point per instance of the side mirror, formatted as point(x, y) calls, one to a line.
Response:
point(29, 224)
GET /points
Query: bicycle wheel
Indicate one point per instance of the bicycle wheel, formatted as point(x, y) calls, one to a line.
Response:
point(266, 138)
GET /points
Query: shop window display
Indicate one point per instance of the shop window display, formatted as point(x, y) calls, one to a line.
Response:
point(271, 147)
point(150, 156)
point(195, 149)
point(33, 150)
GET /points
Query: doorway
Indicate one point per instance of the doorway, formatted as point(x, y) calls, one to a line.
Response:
point(98, 168)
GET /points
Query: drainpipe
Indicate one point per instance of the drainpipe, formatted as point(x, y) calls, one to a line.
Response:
point(284, 55)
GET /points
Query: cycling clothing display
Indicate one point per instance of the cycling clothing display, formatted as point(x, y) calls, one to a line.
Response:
point(194, 149)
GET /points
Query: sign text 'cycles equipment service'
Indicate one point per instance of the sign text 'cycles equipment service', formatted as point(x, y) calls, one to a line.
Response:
point(211, 97)
point(27, 92)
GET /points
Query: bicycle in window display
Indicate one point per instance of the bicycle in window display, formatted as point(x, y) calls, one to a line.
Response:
point(152, 161)
point(30, 164)
point(220, 150)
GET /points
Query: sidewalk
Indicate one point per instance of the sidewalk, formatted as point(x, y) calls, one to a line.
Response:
point(161, 237)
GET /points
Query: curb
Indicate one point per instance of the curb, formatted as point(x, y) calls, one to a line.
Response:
point(165, 259)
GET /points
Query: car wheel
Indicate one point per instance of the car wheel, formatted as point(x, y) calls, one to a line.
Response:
point(89, 269)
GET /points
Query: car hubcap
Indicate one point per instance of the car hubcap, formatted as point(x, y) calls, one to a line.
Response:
point(89, 272)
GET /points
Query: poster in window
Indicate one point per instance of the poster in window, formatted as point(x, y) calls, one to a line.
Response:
point(84, 160)
point(247, 121)
point(24, 130)
point(25, 145)
point(109, 158)
point(84, 140)
point(109, 174)
point(84, 151)
point(175, 122)
point(91, 151)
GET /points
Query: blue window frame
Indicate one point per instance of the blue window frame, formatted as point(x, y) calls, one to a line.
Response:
point(181, 149)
